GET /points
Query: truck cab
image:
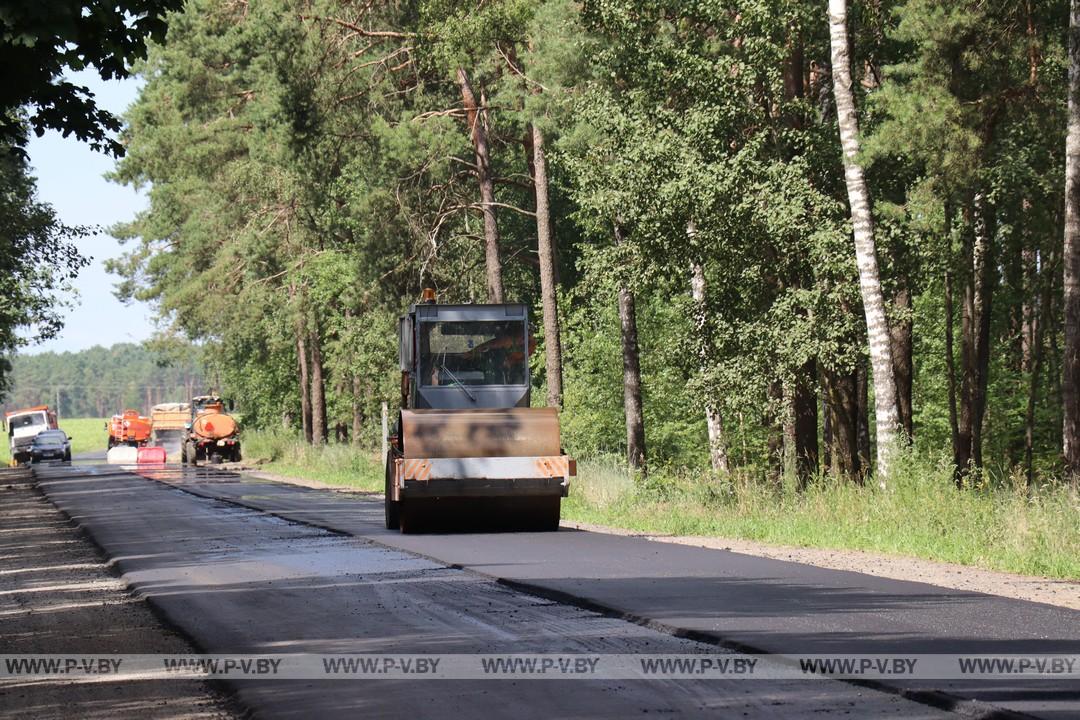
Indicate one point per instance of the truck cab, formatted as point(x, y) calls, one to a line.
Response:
point(23, 426)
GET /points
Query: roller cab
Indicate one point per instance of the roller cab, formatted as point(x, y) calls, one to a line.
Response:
point(466, 439)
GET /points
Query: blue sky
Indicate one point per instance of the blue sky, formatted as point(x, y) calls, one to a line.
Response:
point(70, 178)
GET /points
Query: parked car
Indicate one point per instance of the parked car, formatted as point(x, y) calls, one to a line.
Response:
point(50, 445)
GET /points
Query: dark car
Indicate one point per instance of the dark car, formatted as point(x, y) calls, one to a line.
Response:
point(50, 445)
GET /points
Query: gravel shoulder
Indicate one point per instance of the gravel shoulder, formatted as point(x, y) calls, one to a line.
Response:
point(57, 596)
point(1051, 591)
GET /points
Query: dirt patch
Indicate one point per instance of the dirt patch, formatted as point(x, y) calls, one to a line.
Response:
point(313, 484)
point(58, 596)
point(1052, 591)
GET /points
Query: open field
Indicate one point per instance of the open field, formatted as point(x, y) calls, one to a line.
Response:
point(1004, 527)
point(87, 435)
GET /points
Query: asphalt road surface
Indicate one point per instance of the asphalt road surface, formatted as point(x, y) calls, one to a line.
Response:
point(247, 566)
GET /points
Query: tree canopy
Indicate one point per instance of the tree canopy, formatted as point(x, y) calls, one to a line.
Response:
point(313, 164)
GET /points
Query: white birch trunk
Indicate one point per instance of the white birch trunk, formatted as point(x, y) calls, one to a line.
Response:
point(877, 327)
point(714, 423)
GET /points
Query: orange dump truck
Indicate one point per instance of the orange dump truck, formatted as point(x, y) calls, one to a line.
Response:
point(128, 428)
point(170, 422)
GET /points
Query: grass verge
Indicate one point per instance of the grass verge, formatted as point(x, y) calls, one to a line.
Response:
point(333, 464)
point(1006, 527)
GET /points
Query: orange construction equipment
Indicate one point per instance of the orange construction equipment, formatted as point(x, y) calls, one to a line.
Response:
point(467, 438)
point(212, 433)
point(129, 428)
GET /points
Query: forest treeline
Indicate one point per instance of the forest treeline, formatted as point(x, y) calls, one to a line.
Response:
point(99, 381)
point(665, 183)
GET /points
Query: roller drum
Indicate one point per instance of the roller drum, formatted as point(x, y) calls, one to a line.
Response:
point(502, 432)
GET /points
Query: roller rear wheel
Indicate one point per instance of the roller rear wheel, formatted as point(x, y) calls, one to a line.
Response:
point(543, 514)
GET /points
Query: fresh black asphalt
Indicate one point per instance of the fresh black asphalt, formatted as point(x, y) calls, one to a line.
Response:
point(714, 596)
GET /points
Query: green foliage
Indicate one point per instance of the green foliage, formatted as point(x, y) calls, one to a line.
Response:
point(99, 381)
point(311, 169)
point(45, 39)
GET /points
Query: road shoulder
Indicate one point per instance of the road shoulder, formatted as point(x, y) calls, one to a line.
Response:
point(57, 596)
point(1049, 591)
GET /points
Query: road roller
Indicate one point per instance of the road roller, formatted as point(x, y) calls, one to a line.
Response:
point(466, 442)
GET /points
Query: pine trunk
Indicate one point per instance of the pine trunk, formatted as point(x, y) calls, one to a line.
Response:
point(476, 117)
point(842, 419)
point(903, 360)
point(318, 390)
point(806, 424)
point(962, 450)
point(635, 419)
point(950, 370)
point(773, 422)
point(983, 271)
point(862, 418)
point(1070, 387)
point(877, 326)
point(357, 412)
point(547, 251)
point(1039, 320)
point(1028, 311)
point(305, 384)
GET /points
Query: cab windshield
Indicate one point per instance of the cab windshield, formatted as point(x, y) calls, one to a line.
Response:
point(473, 353)
point(27, 420)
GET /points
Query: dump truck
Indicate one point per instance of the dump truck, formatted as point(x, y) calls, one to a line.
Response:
point(466, 436)
point(128, 428)
point(22, 427)
point(211, 434)
point(169, 422)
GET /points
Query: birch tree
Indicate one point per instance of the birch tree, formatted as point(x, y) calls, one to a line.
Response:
point(862, 221)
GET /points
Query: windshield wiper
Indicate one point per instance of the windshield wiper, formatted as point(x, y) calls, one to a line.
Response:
point(457, 382)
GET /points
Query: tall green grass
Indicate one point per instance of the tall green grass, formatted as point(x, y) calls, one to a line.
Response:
point(1001, 526)
point(333, 464)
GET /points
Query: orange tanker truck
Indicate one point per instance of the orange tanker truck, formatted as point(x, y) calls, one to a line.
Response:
point(211, 434)
point(128, 428)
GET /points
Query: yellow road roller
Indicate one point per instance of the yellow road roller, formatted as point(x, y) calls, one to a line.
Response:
point(466, 441)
